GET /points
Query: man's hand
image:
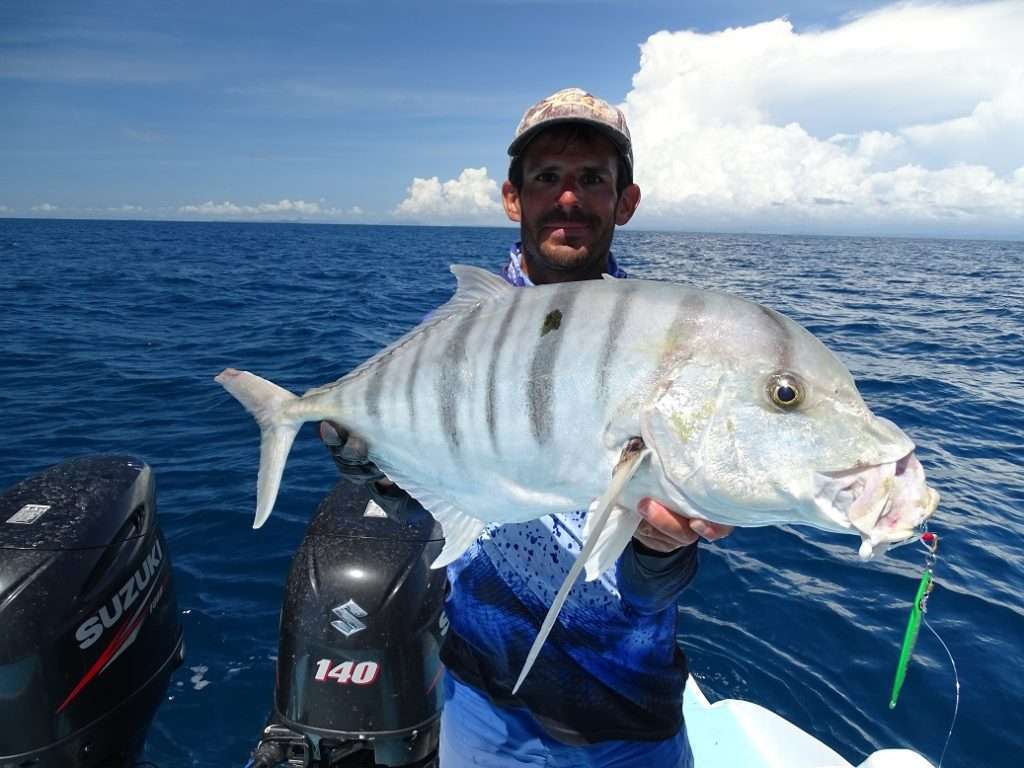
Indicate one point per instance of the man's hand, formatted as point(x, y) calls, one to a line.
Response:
point(349, 453)
point(341, 444)
point(665, 531)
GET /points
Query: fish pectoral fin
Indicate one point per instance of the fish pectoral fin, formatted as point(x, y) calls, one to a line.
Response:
point(612, 539)
point(633, 456)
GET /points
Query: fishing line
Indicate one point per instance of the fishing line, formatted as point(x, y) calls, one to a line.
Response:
point(918, 611)
point(956, 680)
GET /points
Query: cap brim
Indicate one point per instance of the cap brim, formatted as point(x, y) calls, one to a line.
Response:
point(621, 142)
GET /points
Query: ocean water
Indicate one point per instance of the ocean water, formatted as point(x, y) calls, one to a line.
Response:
point(111, 333)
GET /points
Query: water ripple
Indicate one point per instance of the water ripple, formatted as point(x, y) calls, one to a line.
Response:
point(111, 332)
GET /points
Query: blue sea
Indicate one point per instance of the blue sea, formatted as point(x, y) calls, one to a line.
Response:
point(111, 333)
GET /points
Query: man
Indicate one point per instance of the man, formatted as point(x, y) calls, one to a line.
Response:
point(607, 687)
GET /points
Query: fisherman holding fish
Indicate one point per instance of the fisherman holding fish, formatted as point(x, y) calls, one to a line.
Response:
point(607, 688)
point(537, 425)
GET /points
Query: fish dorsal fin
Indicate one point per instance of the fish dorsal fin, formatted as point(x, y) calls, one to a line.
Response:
point(475, 286)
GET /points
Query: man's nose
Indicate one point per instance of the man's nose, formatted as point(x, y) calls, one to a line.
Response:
point(567, 195)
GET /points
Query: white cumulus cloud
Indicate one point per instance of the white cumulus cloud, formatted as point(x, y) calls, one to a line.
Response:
point(909, 118)
point(45, 208)
point(472, 198)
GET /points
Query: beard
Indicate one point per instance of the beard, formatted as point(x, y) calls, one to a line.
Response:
point(572, 255)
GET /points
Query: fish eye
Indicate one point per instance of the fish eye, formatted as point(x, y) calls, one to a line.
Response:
point(785, 390)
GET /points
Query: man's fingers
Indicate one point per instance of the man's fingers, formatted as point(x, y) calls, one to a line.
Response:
point(654, 539)
point(672, 527)
point(683, 530)
point(710, 531)
point(341, 442)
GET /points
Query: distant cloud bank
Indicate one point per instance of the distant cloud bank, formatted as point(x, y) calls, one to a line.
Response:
point(227, 208)
point(282, 209)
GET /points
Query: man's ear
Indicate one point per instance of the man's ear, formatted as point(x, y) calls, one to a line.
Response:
point(628, 201)
point(510, 199)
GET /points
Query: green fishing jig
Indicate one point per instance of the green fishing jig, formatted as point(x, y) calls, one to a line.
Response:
point(920, 607)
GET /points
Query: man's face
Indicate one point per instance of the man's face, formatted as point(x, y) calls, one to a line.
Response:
point(568, 206)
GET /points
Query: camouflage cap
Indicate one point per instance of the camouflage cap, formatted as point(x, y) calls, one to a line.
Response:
point(574, 105)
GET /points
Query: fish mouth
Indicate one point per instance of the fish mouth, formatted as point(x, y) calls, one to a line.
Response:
point(885, 503)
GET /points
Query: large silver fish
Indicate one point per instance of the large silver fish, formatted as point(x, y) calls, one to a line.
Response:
point(509, 404)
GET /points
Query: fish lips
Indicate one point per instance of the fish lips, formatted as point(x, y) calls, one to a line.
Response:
point(885, 503)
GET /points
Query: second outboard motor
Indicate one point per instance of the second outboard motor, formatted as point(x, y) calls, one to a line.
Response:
point(358, 670)
point(89, 629)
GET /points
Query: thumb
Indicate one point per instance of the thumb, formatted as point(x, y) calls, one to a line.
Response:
point(332, 435)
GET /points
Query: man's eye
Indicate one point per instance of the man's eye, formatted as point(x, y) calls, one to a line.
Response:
point(547, 177)
point(591, 178)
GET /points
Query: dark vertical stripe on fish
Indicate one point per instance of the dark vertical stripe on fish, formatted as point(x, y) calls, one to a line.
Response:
point(541, 384)
point(492, 369)
point(620, 311)
point(410, 380)
point(372, 392)
point(451, 377)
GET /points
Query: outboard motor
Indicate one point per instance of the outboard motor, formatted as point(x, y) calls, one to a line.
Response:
point(89, 629)
point(358, 670)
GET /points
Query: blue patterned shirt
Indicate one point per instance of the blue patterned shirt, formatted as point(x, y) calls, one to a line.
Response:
point(611, 668)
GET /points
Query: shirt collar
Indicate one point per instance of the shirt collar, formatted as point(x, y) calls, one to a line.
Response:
point(513, 271)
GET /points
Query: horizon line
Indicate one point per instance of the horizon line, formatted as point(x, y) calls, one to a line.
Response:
point(737, 232)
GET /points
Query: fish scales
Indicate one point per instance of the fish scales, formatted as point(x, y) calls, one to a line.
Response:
point(537, 389)
point(512, 344)
point(511, 404)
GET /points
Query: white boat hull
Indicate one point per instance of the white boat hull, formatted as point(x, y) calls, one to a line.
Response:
point(731, 733)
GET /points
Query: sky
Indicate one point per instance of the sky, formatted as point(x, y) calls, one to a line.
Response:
point(817, 117)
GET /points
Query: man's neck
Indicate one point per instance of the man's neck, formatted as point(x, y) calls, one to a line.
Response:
point(540, 275)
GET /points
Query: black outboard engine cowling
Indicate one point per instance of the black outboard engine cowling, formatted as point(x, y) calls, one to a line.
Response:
point(358, 670)
point(89, 629)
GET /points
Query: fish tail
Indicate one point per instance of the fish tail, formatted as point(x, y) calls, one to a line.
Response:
point(266, 402)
